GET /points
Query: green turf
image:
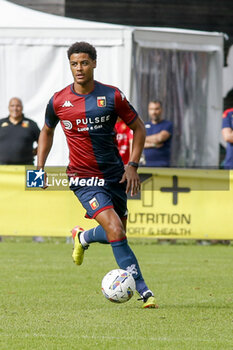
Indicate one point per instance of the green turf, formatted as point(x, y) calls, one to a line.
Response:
point(48, 303)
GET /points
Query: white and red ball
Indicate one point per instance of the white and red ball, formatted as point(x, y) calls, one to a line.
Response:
point(118, 286)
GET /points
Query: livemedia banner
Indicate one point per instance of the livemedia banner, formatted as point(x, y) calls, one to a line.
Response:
point(173, 203)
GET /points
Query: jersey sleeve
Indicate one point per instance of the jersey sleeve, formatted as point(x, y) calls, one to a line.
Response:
point(124, 109)
point(51, 119)
point(226, 120)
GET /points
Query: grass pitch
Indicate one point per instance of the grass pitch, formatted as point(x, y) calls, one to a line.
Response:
point(48, 303)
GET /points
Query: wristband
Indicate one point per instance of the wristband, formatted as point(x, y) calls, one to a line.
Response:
point(135, 165)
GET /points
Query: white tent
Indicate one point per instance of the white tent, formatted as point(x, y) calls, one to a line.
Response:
point(33, 62)
point(228, 73)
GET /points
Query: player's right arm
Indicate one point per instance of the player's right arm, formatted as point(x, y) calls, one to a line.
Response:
point(45, 141)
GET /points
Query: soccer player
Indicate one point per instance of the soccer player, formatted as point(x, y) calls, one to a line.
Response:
point(87, 111)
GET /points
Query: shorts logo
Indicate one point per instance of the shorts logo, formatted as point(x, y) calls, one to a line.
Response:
point(94, 203)
point(35, 178)
point(101, 101)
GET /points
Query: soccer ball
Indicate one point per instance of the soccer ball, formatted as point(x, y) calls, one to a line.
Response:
point(118, 286)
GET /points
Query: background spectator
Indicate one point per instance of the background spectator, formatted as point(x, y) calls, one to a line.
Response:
point(124, 138)
point(227, 133)
point(157, 149)
point(17, 135)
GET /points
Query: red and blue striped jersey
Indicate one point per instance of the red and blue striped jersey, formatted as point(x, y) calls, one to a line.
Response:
point(88, 122)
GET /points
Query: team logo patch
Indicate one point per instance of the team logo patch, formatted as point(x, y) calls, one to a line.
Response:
point(101, 101)
point(4, 124)
point(94, 203)
point(25, 124)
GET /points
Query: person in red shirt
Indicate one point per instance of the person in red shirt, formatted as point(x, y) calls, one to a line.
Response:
point(124, 138)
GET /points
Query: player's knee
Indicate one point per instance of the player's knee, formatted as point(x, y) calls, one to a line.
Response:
point(115, 231)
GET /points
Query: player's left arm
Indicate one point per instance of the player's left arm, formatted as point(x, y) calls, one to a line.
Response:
point(128, 114)
point(130, 174)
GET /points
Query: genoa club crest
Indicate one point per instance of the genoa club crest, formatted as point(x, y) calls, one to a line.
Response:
point(94, 203)
point(101, 101)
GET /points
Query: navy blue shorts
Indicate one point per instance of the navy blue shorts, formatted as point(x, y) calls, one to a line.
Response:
point(95, 199)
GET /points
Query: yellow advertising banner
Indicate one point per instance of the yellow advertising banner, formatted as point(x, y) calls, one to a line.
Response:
point(183, 203)
point(173, 203)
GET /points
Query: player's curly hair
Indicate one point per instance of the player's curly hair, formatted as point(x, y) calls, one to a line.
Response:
point(82, 47)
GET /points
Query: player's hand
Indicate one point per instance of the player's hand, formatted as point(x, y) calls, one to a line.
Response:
point(133, 181)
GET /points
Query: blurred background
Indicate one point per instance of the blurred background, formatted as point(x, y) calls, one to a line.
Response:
point(178, 52)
